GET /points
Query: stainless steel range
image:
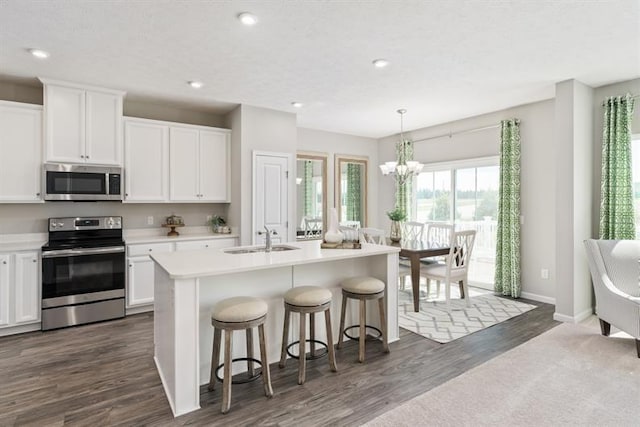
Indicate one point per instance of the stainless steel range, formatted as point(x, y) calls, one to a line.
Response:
point(83, 271)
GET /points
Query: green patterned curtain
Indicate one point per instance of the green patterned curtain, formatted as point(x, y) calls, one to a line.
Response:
point(308, 188)
point(507, 278)
point(353, 192)
point(404, 153)
point(616, 187)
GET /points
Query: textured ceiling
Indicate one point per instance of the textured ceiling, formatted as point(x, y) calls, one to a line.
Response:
point(449, 59)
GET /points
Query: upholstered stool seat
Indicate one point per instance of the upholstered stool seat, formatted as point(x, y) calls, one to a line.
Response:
point(307, 300)
point(362, 289)
point(235, 314)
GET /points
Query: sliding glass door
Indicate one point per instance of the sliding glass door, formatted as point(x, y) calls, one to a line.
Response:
point(472, 205)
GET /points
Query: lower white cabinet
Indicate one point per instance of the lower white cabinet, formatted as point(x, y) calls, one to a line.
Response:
point(19, 288)
point(140, 271)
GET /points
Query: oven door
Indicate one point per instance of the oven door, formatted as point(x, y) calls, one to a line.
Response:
point(74, 276)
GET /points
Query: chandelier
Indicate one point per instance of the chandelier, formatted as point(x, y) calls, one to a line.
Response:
point(402, 169)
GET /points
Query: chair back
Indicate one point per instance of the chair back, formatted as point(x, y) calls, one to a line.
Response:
point(412, 230)
point(439, 234)
point(460, 250)
point(614, 263)
point(312, 227)
point(349, 234)
point(372, 235)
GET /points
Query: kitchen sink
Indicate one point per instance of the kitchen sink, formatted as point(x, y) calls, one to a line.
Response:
point(256, 249)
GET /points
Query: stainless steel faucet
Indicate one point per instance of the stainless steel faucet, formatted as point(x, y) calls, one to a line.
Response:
point(268, 244)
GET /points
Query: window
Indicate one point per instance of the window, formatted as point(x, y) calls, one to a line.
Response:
point(473, 205)
point(635, 164)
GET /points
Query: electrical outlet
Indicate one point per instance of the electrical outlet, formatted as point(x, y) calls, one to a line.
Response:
point(544, 273)
point(149, 220)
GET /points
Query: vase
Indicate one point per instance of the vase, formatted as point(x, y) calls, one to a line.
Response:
point(333, 234)
point(396, 232)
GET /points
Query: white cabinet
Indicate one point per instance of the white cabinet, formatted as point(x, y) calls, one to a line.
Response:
point(82, 124)
point(206, 244)
point(140, 289)
point(199, 165)
point(19, 288)
point(146, 146)
point(20, 152)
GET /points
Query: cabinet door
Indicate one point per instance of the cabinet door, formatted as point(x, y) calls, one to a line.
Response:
point(140, 281)
point(183, 170)
point(27, 287)
point(146, 160)
point(20, 152)
point(64, 124)
point(5, 267)
point(103, 128)
point(214, 164)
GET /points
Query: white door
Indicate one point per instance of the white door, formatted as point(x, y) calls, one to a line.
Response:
point(271, 196)
point(184, 175)
point(141, 277)
point(27, 288)
point(146, 162)
point(103, 128)
point(5, 264)
point(65, 124)
point(213, 166)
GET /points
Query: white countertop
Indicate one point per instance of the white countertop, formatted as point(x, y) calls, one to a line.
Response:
point(213, 262)
point(159, 235)
point(22, 242)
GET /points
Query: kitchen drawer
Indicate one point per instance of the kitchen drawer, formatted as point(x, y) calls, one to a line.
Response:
point(150, 248)
point(206, 244)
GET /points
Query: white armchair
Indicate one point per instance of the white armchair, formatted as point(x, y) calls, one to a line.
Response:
point(615, 271)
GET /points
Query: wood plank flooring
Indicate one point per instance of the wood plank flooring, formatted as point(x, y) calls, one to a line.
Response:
point(104, 374)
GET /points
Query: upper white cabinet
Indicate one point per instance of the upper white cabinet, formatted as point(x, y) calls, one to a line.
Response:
point(20, 152)
point(146, 153)
point(82, 124)
point(199, 165)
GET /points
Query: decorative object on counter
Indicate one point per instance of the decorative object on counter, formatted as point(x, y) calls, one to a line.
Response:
point(173, 222)
point(218, 225)
point(333, 234)
point(396, 216)
point(341, 245)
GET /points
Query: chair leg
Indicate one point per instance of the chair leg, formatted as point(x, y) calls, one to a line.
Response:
point(362, 337)
point(266, 374)
point(330, 349)
point(249, 333)
point(605, 327)
point(447, 295)
point(383, 325)
point(302, 352)
point(226, 382)
point(464, 287)
point(215, 357)
point(428, 287)
point(312, 333)
point(463, 290)
point(638, 348)
point(285, 337)
point(438, 287)
point(343, 313)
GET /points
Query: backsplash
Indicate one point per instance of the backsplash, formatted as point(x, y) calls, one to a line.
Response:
point(32, 218)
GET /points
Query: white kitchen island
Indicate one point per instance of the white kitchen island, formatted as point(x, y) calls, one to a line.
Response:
point(188, 283)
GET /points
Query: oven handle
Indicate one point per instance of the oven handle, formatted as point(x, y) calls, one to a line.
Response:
point(80, 252)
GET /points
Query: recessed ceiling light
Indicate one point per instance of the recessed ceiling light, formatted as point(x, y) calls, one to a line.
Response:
point(297, 104)
point(248, 18)
point(380, 63)
point(40, 54)
point(196, 84)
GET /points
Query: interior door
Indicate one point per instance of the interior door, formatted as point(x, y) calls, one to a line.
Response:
point(271, 196)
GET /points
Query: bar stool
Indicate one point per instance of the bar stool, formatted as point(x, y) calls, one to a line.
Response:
point(230, 315)
point(307, 300)
point(363, 289)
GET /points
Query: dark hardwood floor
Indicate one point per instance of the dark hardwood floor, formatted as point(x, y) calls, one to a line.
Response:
point(103, 374)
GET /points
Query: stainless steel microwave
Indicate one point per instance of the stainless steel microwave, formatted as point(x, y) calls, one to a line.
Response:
point(82, 182)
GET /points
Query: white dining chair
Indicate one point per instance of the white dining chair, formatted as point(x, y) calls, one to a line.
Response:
point(372, 235)
point(312, 228)
point(412, 230)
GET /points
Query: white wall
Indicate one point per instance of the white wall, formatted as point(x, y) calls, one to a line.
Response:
point(537, 179)
point(330, 143)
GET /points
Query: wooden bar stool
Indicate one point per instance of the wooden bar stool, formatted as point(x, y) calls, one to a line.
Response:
point(307, 300)
point(363, 289)
point(230, 315)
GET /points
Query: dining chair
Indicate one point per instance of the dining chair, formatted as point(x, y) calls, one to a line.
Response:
point(455, 268)
point(372, 235)
point(312, 227)
point(438, 234)
point(412, 230)
point(349, 234)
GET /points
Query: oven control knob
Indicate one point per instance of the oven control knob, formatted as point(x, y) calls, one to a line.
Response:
point(110, 222)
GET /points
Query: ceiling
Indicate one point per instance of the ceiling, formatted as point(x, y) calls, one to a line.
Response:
point(448, 59)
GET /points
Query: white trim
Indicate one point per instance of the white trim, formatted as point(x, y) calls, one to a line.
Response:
point(573, 319)
point(26, 106)
point(21, 328)
point(170, 123)
point(460, 164)
point(73, 85)
point(539, 298)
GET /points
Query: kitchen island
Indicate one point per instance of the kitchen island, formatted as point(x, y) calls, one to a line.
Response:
point(188, 283)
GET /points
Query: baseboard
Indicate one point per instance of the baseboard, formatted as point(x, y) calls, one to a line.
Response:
point(573, 319)
point(21, 329)
point(139, 309)
point(539, 298)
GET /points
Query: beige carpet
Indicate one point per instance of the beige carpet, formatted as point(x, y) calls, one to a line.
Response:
point(434, 322)
point(570, 375)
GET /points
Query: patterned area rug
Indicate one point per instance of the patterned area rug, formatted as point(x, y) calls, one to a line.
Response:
point(435, 323)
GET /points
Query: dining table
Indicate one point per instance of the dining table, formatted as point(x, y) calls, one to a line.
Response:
point(415, 250)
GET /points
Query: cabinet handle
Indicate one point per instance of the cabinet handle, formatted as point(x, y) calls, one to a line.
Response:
point(126, 194)
point(130, 265)
point(81, 156)
point(4, 262)
point(150, 250)
point(206, 246)
point(34, 260)
point(86, 157)
point(38, 194)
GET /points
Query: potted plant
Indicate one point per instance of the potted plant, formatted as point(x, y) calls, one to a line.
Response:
point(218, 224)
point(396, 216)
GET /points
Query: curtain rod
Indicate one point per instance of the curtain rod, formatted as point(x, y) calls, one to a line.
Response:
point(450, 134)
